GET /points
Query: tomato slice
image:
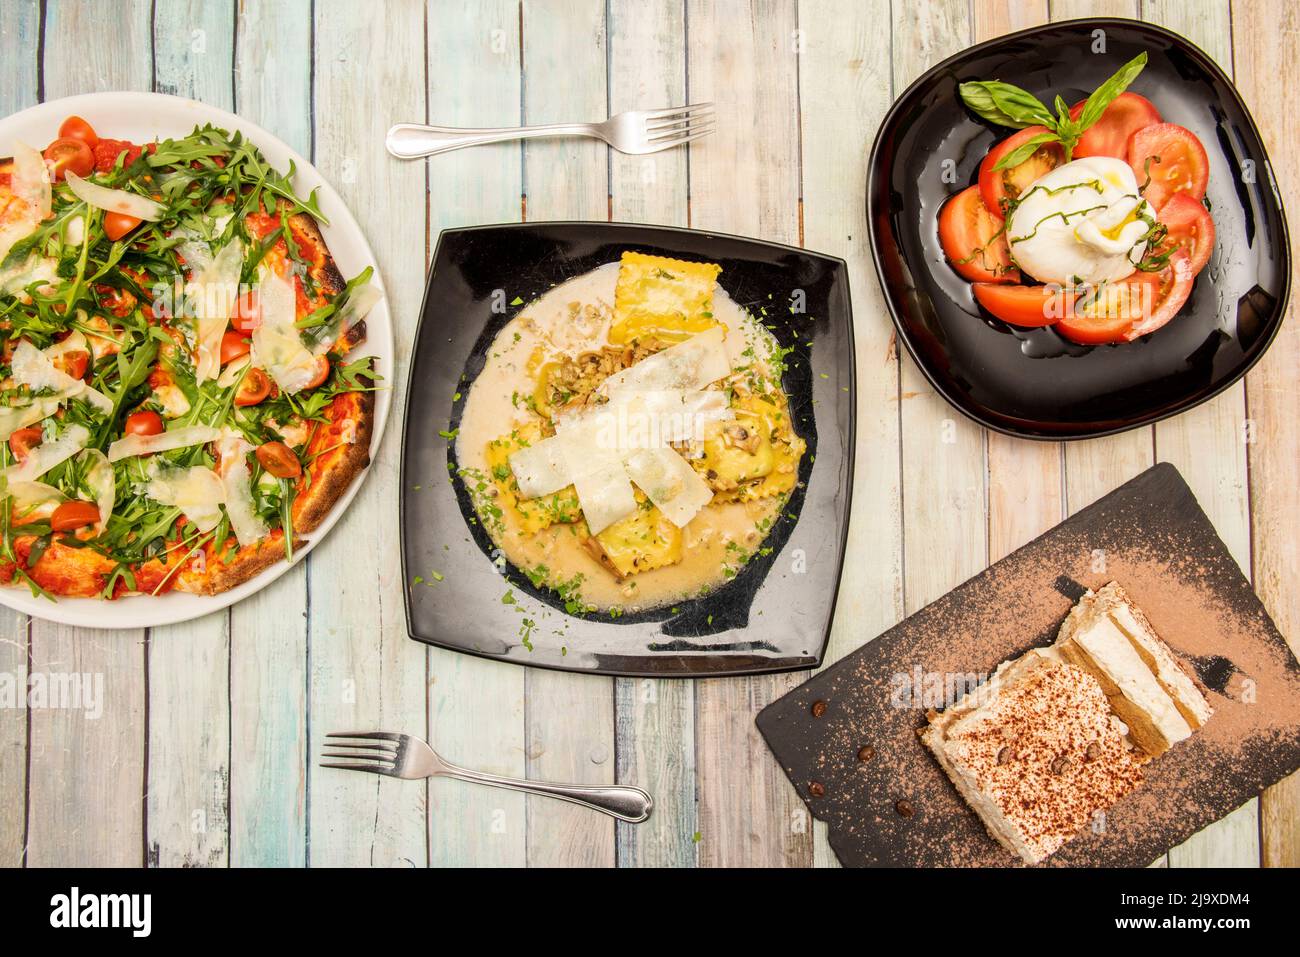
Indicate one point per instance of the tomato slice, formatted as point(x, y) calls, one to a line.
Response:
point(1110, 135)
point(66, 154)
point(73, 515)
point(999, 187)
point(22, 441)
point(75, 128)
point(255, 387)
point(1173, 159)
point(1190, 228)
point(74, 363)
point(117, 225)
point(233, 345)
point(248, 313)
point(278, 459)
point(1135, 307)
point(1027, 306)
point(143, 423)
point(974, 240)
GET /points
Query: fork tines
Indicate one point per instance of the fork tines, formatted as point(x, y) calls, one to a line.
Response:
point(379, 755)
point(679, 124)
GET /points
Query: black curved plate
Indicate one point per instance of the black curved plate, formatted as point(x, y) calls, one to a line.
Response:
point(1032, 382)
point(775, 615)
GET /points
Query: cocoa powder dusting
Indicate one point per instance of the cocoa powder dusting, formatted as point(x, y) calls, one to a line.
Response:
point(1200, 607)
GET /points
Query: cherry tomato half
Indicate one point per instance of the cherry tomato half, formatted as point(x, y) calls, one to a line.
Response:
point(73, 515)
point(233, 345)
point(74, 363)
point(998, 187)
point(248, 313)
point(144, 423)
point(974, 240)
point(1110, 135)
point(66, 154)
point(117, 225)
point(278, 459)
point(23, 441)
point(255, 387)
point(75, 128)
point(1174, 161)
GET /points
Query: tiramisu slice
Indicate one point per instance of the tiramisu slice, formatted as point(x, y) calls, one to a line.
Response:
point(1036, 752)
point(1110, 638)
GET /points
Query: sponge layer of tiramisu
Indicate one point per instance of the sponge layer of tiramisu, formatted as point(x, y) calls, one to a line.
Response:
point(1110, 638)
point(1036, 752)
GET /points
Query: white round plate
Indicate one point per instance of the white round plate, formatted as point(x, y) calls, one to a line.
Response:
point(142, 117)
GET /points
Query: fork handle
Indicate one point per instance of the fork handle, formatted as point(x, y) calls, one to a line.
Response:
point(625, 803)
point(413, 141)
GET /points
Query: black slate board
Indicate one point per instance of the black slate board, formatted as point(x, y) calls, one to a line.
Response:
point(1152, 537)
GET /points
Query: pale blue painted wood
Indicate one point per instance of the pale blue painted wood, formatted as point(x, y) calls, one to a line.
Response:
point(365, 671)
point(570, 717)
point(87, 775)
point(19, 36)
point(655, 720)
point(476, 707)
point(268, 632)
point(187, 820)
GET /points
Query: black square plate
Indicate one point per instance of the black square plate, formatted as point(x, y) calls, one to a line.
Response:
point(775, 614)
point(1032, 382)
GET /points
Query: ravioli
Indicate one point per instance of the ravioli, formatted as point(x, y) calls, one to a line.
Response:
point(660, 298)
point(643, 541)
point(533, 514)
point(770, 468)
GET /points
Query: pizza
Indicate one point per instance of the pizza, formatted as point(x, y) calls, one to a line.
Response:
point(179, 399)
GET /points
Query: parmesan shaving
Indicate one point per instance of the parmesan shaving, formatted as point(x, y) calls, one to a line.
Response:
point(277, 345)
point(197, 491)
point(213, 292)
point(113, 200)
point(48, 455)
point(235, 477)
point(130, 445)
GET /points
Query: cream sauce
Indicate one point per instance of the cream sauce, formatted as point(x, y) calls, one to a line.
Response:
point(715, 544)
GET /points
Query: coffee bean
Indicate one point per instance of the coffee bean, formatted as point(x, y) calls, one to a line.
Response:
point(816, 789)
point(904, 807)
point(818, 708)
point(866, 753)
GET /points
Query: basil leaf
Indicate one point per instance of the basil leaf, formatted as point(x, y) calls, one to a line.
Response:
point(1105, 94)
point(1004, 104)
point(1024, 151)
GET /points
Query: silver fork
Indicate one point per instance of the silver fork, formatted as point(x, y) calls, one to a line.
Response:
point(634, 131)
point(406, 756)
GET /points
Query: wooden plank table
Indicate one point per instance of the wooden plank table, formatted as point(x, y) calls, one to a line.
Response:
point(201, 755)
